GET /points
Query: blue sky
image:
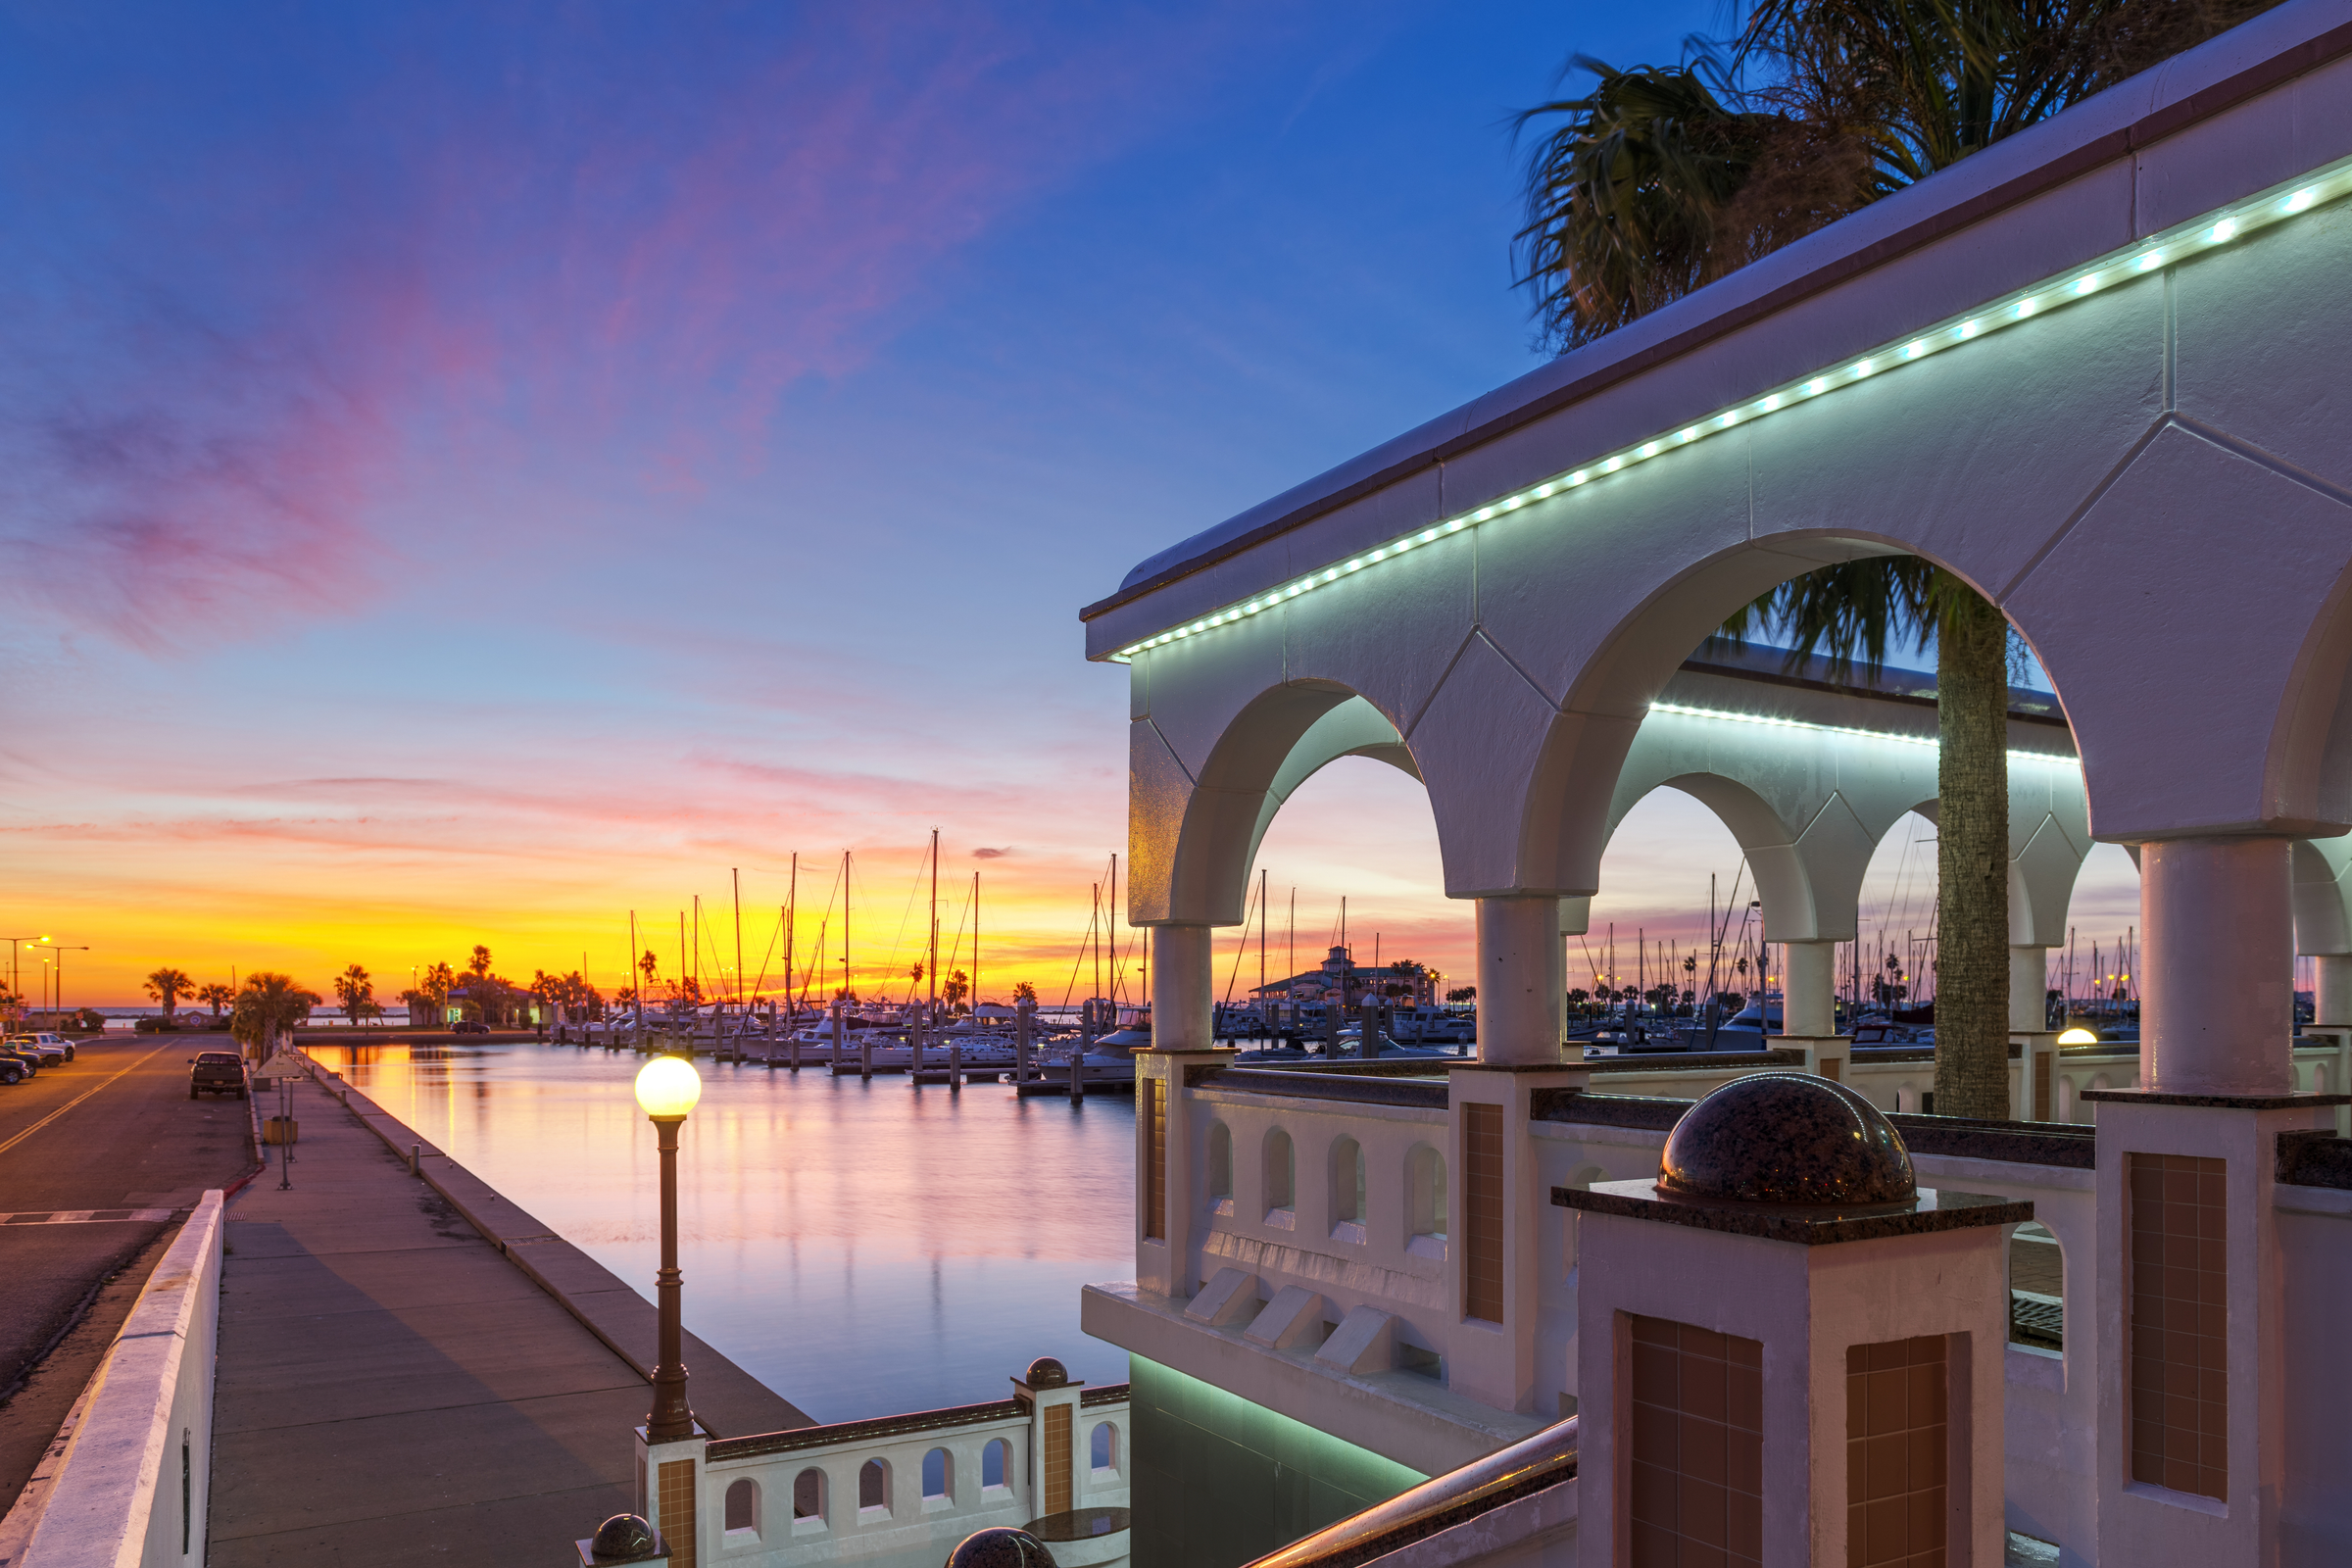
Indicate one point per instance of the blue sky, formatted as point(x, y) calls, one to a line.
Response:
point(475, 469)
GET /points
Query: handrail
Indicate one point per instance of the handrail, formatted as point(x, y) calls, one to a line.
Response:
point(1439, 1503)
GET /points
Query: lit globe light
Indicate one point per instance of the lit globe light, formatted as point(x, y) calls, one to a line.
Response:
point(668, 1087)
point(2078, 1037)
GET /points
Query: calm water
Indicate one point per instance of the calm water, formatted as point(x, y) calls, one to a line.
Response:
point(863, 1248)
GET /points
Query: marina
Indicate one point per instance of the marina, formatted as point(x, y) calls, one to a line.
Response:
point(861, 1247)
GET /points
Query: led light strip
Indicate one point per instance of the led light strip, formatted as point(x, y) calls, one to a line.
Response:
point(2161, 250)
point(1838, 729)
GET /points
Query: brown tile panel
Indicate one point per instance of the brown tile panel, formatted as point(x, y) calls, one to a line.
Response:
point(1155, 1194)
point(2179, 1324)
point(1897, 1461)
point(677, 1511)
point(1058, 1459)
point(1482, 1212)
point(1696, 1455)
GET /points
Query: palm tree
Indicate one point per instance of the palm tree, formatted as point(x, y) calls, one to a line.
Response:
point(270, 1004)
point(1662, 178)
point(217, 996)
point(355, 991)
point(168, 985)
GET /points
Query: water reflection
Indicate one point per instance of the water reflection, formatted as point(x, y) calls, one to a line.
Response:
point(864, 1248)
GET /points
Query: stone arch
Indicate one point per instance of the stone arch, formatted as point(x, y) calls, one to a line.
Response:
point(1193, 835)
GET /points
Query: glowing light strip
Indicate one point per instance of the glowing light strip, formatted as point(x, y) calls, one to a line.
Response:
point(1838, 729)
point(2173, 246)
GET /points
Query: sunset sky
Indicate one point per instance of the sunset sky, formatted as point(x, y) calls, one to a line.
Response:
point(470, 471)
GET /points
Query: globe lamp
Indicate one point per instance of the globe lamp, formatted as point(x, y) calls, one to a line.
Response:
point(668, 1088)
point(2078, 1037)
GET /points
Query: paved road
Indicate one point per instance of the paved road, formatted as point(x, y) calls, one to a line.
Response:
point(112, 1136)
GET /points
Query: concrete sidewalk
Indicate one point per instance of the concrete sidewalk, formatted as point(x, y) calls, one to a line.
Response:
point(393, 1388)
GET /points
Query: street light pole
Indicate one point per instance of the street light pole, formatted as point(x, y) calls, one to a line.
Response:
point(668, 1089)
point(58, 1003)
point(16, 947)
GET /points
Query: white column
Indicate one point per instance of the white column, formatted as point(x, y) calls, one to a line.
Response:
point(1522, 980)
point(1181, 980)
point(1809, 990)
point(2217, 967)
point(2029, 991)
point(2332, 1002)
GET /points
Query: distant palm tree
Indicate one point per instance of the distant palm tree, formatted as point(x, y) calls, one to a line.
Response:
point(354, 991)
point(268, 1006)
point(168, 985)
point(1027, 991)
point(1661, 179)
point(217, 996)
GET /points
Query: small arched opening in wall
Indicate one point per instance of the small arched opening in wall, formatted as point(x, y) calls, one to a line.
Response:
point(996, 1465)
point(743, 1508)
point(1220, 1167)
point(1103, 1451)
point(1347, 1190)
point(809, 1498)
point(939, 1477)
point(1281, 1176)
point(1425, 1201)
point(2037, 1288)
point(874, 1487)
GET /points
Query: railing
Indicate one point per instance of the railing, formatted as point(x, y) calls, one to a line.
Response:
point(1440, 1502)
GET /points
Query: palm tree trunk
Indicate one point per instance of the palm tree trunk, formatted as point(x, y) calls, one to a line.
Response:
point(1972, 786)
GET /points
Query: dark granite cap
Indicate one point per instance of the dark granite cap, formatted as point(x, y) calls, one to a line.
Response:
point(1931, 1210)
point(1078, 1524)
point(1785, 1138)
point(2157, 1096)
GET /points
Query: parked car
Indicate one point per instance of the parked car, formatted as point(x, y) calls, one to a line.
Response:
point(46, 1039)
point(220, 1072)
point(469, 1026)
point(13, 1071)
point(46, 1050)
point(25, 1062)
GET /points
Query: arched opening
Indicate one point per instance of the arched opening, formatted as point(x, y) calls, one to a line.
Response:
point(939, 1475)
point(2037, 1288)
point(1220, 1162)
point(1346, 1189)
point(874, 1487)
point(1425, 1187)
point(808, 1497)
point(1640, 955)
point(1281, 1173)
point(743, 1506)
point(996, 1464)
point(1104, 1450)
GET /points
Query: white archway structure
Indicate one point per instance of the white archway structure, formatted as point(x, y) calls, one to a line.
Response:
point(2057, 369)
point(2098, 371)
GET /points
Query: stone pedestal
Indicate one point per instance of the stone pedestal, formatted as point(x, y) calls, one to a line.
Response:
point(1787, 1352)
point(1168, 1207)
point(1495, 1205)
point(2193, 1406)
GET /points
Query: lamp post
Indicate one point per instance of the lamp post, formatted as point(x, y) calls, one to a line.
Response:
point(668, 1089)
point(16, 947)
point(57, 1003)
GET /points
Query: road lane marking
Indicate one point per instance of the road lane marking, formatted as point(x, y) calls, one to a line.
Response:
point(75, 1101)
point(91, 1216)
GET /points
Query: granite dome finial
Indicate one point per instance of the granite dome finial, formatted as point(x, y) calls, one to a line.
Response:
point(1786, 1137)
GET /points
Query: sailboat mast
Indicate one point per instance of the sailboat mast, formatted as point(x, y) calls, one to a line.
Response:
point(845, 920)
point(931, 970)
point(792, 899)
point(735, 880)
point(975, 947)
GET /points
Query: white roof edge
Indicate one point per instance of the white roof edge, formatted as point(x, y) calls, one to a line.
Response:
point(2273, 33)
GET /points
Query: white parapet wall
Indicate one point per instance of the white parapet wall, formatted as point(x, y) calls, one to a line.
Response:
point(900, 1492)
point(129, 1487)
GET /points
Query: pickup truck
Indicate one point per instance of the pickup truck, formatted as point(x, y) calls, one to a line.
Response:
point(220, 1072)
